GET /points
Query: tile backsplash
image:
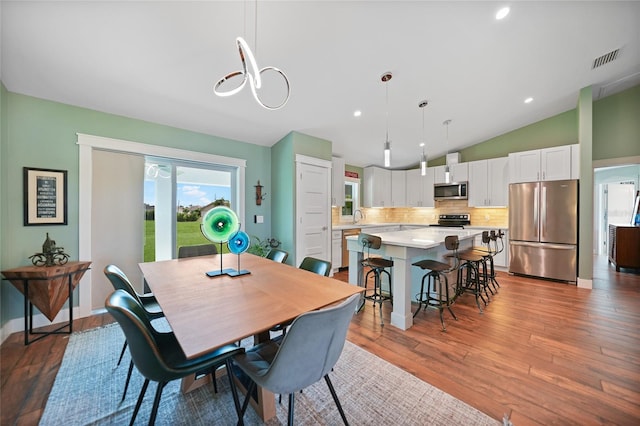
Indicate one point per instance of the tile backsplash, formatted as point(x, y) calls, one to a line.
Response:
point(491, 217)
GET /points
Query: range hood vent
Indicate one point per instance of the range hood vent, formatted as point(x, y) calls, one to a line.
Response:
point(453, 158)
point(605, 59)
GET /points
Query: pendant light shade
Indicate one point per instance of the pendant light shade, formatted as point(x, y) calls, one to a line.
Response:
point(387, 144)
point(387, 154)
point(423, 157)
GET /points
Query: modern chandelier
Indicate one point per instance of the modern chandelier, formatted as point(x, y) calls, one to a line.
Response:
point(251, 73)
point(387, 144)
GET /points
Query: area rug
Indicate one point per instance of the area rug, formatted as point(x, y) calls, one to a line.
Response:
point(88, 389)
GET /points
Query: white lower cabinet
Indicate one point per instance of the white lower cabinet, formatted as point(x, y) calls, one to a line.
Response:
point(336, 250)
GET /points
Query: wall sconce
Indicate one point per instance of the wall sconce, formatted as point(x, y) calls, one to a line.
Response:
point(259, 194)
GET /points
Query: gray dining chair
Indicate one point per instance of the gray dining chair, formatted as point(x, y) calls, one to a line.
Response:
point(303, 356)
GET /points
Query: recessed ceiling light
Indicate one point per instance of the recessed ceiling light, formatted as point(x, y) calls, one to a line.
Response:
point(357, 113)
point(502, 13)
point(528, 100)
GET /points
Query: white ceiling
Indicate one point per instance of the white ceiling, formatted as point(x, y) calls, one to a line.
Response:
point(159, 60)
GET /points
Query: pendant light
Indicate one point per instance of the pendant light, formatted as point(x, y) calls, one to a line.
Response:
point(251, 73)
point(423, 157)
point(387, 144)
point(447, 175)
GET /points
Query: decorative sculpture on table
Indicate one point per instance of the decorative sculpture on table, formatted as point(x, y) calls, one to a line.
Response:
point(221, 225)
point(238, 244)
point(51, 255)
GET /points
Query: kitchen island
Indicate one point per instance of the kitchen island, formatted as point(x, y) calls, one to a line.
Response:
point(405, 248)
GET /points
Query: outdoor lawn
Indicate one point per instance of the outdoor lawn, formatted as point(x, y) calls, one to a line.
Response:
point(188, 234)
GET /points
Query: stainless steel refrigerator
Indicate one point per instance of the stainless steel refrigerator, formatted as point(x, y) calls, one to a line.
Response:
point(543, 229)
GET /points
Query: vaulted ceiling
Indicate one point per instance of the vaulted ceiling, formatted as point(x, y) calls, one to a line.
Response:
point(159, 61)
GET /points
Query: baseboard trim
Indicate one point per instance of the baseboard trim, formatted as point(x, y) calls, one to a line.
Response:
point(583, 283)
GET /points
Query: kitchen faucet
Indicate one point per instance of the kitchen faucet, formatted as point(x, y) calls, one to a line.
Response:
point(355, 215)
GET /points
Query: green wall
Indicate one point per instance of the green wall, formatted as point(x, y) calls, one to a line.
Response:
point(283, 181)
point(616, 132)
point(3, 181)
point(616, 125)
point(585, 197)
point(283, 176)
point(42, 134)
point(558, 130)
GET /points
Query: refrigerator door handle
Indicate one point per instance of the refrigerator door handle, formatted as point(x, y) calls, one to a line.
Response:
point(543, 212)
point(545, 245)
point(535, 212)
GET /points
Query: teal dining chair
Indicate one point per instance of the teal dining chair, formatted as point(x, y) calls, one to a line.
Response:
point(158, 356)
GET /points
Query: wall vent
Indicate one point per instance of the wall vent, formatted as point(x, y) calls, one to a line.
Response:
point(605, 59)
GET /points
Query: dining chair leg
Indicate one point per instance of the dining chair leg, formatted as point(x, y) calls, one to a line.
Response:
point(234, 391)
point(243, 409)
point(156, 403)
point(292, 397)
point(139, 403)
point(124, 348)
point(126, 383)
point(335, 399)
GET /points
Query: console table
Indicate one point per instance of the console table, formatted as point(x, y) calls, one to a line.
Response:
point(624, 246)
point(44, 287)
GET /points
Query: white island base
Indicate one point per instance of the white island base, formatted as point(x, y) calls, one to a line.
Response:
point(405, 248)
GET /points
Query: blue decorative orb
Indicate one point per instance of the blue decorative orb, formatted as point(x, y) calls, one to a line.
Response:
point(219, 224)
point(239, 243)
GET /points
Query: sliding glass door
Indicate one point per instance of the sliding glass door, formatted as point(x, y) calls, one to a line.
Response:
point(176, 195)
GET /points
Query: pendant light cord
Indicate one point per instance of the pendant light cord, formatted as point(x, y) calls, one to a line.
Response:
point(386, 87)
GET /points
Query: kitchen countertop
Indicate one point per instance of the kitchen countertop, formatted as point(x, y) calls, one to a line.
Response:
point(426, 225)
point(421, 238)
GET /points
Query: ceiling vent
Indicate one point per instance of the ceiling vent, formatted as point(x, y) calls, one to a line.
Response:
point(605, 59)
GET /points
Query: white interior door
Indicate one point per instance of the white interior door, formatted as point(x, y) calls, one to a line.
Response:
point(313, 215)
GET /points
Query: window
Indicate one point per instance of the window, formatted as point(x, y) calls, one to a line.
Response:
point(351, 198)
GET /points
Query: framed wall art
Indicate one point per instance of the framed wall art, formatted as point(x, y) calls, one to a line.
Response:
point(45, 197)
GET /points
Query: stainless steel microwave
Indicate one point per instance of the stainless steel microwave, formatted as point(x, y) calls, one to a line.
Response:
point(450, 191)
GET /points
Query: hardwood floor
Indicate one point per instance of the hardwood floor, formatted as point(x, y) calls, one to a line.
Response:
point(542, 352)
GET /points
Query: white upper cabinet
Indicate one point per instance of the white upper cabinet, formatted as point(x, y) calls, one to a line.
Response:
point(555, 163)
point(420, 188)
point(377, 187)
point(458, 172)
point(398, 188)
point(540, 164)
point(575, 161)
point(488, 185)
point(337, 182)
point(427, 188)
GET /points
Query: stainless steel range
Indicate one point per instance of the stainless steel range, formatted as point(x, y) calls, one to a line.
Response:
point(453, 220)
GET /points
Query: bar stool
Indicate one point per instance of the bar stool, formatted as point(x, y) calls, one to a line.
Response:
point(498, 242)
point(475, 279)
point(378, 266)
point(435, 296)
point(487, 251)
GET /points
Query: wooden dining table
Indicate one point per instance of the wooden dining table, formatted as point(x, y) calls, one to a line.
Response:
point(208, 312)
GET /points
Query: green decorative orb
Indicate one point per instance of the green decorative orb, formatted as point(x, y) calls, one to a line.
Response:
point(219, 224)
